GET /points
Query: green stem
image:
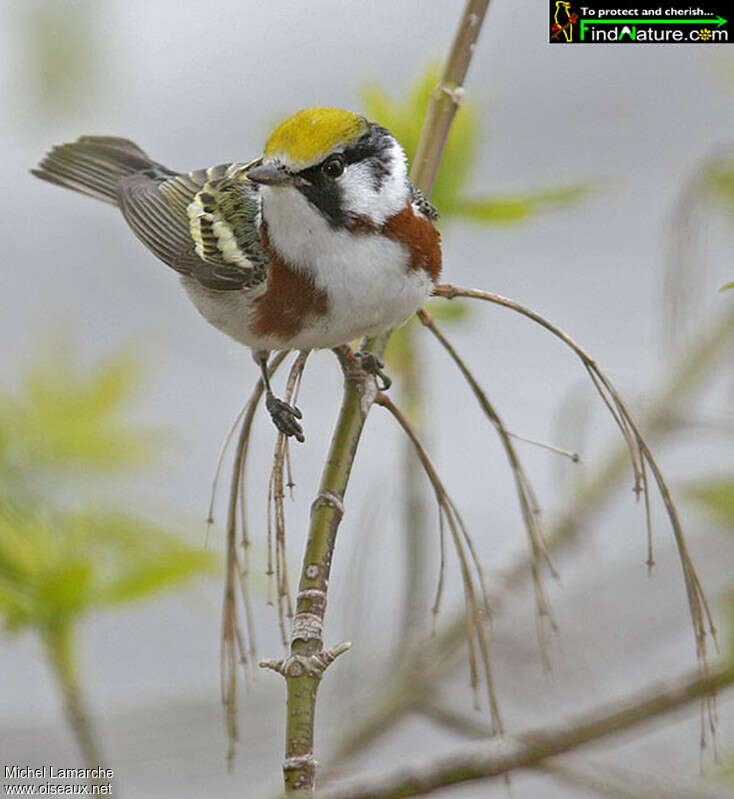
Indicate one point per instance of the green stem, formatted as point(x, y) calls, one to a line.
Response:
point(307, 632)
point(303, 669)
point(59, 646)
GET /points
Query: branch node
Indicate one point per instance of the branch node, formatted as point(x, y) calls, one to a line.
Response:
point(298, 762)
point(312, 666)
point(312, 594)
point(330, 500)
point(456, 95)
point(307, 627)
point(368, 393)
point(273, 665)
point(331, 654)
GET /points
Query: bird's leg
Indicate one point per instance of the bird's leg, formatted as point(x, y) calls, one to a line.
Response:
point(284, 416)
point(373, 365)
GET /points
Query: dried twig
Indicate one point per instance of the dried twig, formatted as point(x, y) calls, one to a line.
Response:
point(276, 509)
point(597, 776)
point(641, 459)
point(233, 645)
point(408, 688)
point(486, 759)
point(528, 503)
point(476, 612)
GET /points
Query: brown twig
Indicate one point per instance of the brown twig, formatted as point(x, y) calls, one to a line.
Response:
point(476, 612)
point(276, 508)
point(486, 759)
point(446, 97)
point(233, 646)
point(528, 503)
point(597, 776)
point(407, 687)
point(641, 459)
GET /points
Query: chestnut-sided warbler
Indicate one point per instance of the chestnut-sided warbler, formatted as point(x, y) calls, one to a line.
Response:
point(319, 242)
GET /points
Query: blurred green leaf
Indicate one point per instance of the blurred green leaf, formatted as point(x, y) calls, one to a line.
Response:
point(508, 208)
point(140, 559)
point(58, 564)
point(65, 416)
point(718, 182)
point(452, 312)
point(727, 287)
point(404, 118)
point(56, 567)
point(716, 498)
point(400, 352)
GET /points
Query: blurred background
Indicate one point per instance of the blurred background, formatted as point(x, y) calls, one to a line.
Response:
point(593, 184)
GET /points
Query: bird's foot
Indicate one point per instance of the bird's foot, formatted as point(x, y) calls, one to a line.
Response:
point(373, 365)
point(284, 417)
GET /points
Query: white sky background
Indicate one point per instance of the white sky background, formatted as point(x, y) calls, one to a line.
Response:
point(200, 83)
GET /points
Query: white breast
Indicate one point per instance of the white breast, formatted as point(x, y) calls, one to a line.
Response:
point(365, 275)
point(366, 278)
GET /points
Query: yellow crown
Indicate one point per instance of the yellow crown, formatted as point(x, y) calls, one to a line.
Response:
point(306, 137)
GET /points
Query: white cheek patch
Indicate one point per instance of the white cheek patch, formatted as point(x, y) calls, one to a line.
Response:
point(361, 197)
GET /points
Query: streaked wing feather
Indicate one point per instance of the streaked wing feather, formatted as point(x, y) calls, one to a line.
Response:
point(157, 211)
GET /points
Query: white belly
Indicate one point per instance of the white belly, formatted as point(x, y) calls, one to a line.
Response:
point(356, 309)
point(366, 278)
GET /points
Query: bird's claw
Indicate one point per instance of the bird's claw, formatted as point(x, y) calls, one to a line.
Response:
point(373, 365)
point(284, 417)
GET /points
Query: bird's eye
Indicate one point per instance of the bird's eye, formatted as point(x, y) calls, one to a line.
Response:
point(333, 167)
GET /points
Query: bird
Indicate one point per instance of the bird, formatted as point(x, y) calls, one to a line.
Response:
point(319, 242)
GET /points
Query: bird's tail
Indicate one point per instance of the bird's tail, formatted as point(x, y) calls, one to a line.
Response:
point(93, 165)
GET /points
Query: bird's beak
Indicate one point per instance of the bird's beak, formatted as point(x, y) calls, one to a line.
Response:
point(272, 174)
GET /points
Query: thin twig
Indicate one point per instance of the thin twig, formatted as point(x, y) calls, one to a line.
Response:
point(408, 688)
point(446, 97)
point(486, 759)
point(476, 612)
point(525, 493)
point(276, 508)
point(598, 777)
point(232, 638)
point(639, 454)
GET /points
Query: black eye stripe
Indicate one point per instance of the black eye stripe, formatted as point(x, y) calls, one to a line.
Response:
point(374, 148)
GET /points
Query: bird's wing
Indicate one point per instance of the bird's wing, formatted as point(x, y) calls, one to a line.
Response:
point(420, 203)
point(203, 224)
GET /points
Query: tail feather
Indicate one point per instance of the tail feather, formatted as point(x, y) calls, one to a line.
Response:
point(94, 165)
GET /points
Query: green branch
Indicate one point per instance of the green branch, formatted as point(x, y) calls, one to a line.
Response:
point(305, 666)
